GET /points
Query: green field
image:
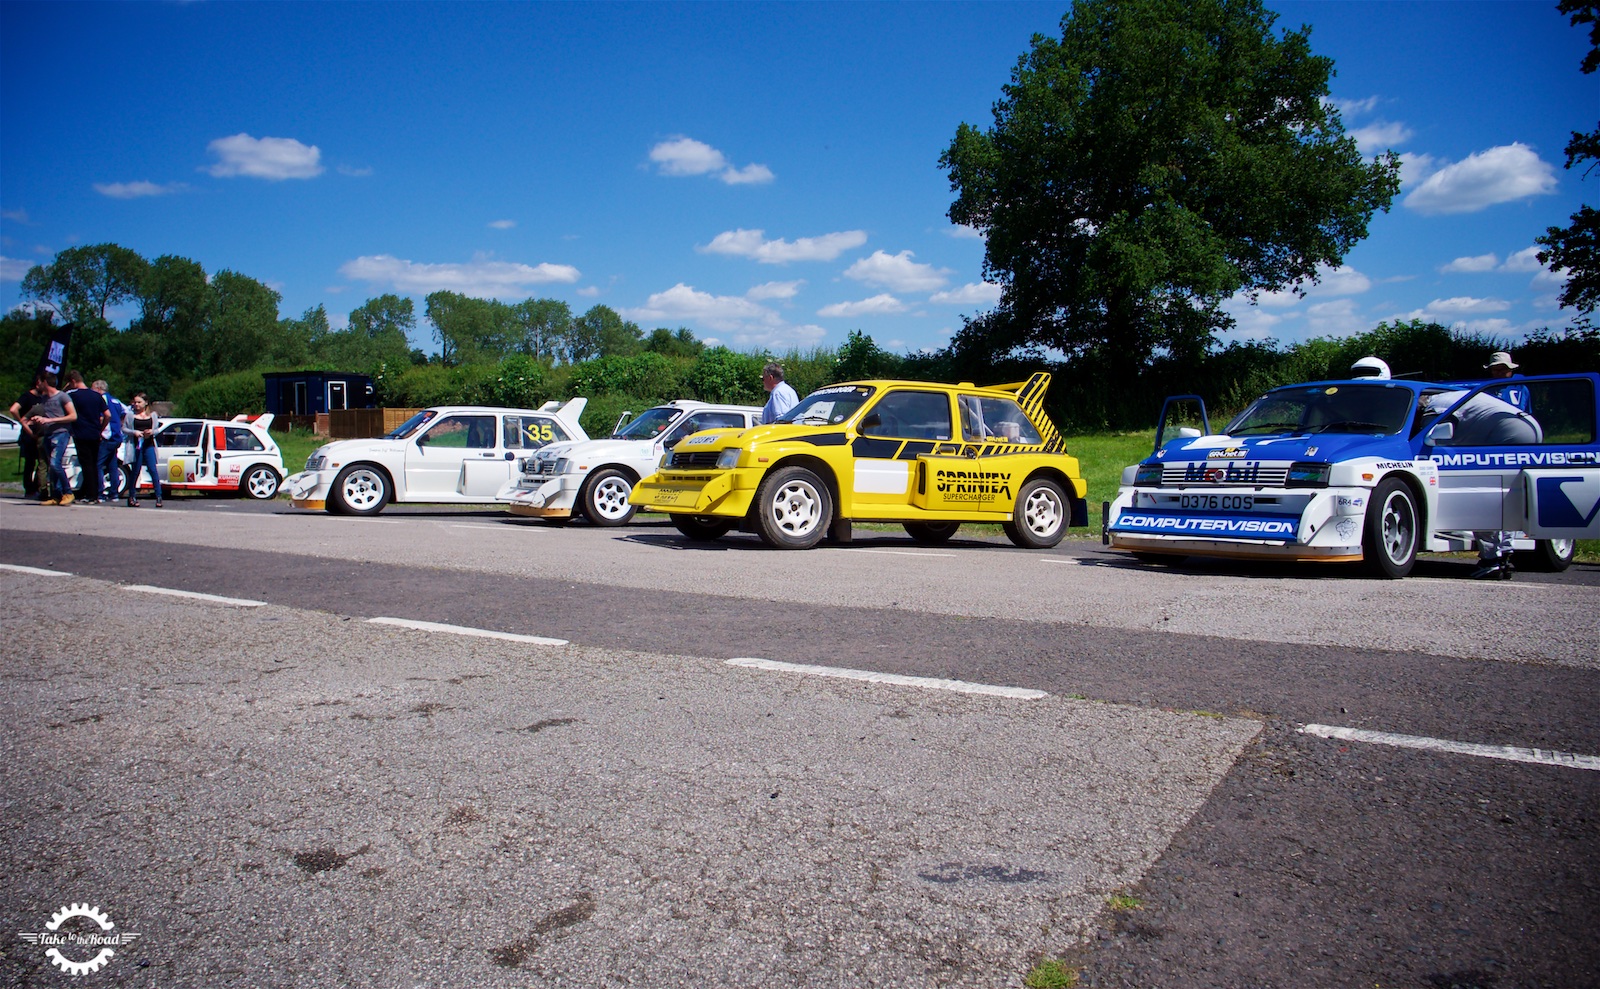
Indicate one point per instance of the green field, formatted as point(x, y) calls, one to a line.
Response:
point(1101, 457)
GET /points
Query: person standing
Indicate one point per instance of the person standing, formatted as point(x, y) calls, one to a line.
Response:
point(110, 445)
point(1494, 545)
point(52, 418)
point(92, 417)
point(141, 428)
point(28, 444)
point(781, 397)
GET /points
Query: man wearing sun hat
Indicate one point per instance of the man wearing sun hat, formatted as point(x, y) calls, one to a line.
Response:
point(1501, 366)
point(1494, 546)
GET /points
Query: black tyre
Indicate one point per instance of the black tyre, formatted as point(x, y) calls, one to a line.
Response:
point(1389, 544)
point(605, 497)
point(793, 509)
point(1040, 517)
point(931, 533)
point(360, 489)
point(702, 528)
point(260, 482)
point(1548, 555)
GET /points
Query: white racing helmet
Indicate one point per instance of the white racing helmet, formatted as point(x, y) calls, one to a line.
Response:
point(1370, 367)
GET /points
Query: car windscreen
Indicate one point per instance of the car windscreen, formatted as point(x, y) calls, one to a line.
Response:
point(1327, 408)
point(828, 406)
point(412, 424)
point(650, 424)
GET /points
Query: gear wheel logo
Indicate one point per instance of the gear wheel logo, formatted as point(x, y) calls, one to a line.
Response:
point(102, 943)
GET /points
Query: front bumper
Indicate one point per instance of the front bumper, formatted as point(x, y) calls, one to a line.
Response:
point(1324, 524)
point(309, 489)
point(551, 499)
point(725, 493)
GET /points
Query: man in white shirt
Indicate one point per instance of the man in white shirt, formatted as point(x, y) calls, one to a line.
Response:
point(782, 396)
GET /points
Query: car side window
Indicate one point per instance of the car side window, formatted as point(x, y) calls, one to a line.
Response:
point(912, 415)
point(1565, 408)
point(180, 434)
point(532, 432)
point(469, 432)
point(705, 420)
point(239, 439)
point(995, 420)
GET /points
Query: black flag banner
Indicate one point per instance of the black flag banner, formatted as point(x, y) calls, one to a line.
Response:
point(55, 353)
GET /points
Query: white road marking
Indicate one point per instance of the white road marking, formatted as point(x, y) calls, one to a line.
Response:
point(884, 552)
point(36, 571)
point(1510, 753)
point(459, 525)
point(213, 598)
point(481, 633)
point(894, 679)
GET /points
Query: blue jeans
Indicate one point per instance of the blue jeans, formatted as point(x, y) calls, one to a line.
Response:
point(144, 456)
point(111, 468)
point(55, 447)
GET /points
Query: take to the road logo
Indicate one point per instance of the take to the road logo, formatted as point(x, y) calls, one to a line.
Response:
point(83, 947)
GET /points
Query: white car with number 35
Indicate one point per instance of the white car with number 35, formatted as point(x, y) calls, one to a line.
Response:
point(454, 454)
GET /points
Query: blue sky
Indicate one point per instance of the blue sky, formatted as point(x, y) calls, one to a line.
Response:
point(764, 174)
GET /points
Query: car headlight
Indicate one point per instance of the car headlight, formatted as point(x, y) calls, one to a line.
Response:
point(1148, 476)
point(666, 461)
point(1308, 475)
point(728, 459)
point(563, 465)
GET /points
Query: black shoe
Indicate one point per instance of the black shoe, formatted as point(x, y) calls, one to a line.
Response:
point(1492, 570)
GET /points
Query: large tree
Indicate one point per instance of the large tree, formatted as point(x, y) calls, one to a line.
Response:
point(173, 302)
point(1575, 249)
point(242, 331)
point(1157, 158)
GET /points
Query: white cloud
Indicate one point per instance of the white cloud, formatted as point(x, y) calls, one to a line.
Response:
point(12, 269)
point(970, 294)
point(960, 231)
point(753, 244)
point(502, 224)
point(1380, 136)
point(272, 158)
point(1498, 175)
point(720, 312)
point(1356, 108)
point(1416, 168)
point(681, 156)
point(17, 216)
point(1473, 265)
point(1331, 282)
point(136, 190)
point(775, 290)
point(878, 305)
point(1453, 311)
point(1525, 260)
point(481, 277)
point(897, 272)
point(590, 291)
point(748, 175)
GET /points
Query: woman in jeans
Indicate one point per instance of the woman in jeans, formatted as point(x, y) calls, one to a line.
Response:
point(141, 426)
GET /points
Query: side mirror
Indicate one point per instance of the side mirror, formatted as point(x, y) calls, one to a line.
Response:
point(871, 422)
point(1188, 433)
point(1439, 432)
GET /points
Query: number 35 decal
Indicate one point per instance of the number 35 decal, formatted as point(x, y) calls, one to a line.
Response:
point(539, 432)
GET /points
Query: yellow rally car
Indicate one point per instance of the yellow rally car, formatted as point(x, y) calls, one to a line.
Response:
point(928, 456)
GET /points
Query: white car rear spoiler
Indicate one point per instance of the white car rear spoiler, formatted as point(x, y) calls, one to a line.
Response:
point(264, 420)
point(568, 413)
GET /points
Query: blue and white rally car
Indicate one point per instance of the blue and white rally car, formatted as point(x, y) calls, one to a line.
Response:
point(1375, 470)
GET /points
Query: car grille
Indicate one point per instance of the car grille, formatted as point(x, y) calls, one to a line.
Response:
point(316, 462)
point(1229, 475)
point(694, 461)
point(539, 468)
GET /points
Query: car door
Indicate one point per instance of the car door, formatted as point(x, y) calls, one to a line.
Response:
point(1531, 469)
point(436, 458)
point(901, 425)
point(181, 452)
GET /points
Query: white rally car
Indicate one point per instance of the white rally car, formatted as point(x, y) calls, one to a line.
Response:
point(451, 454)
point(1373, 471)
point(593, 479)
point(238, 456)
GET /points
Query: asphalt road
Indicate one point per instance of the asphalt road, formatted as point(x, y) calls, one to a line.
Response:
point(630, 809)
